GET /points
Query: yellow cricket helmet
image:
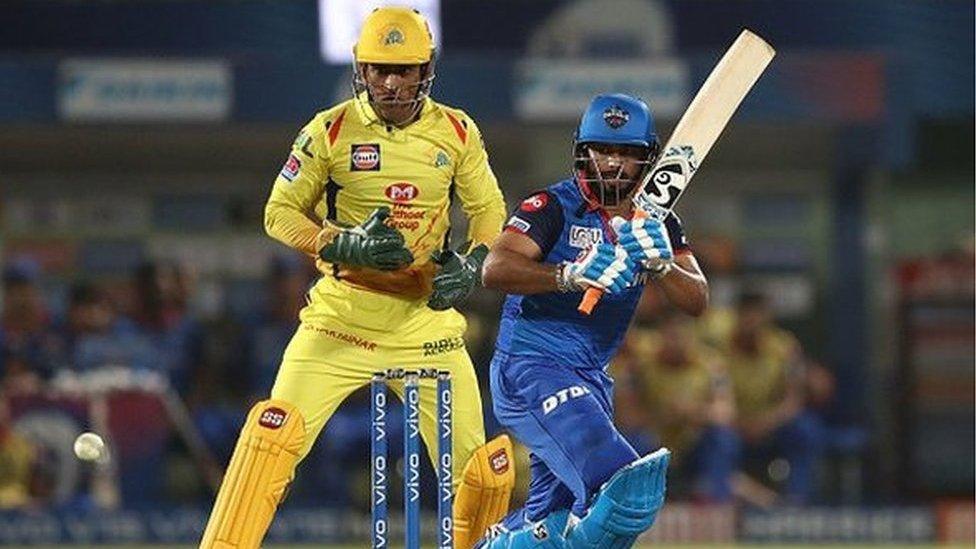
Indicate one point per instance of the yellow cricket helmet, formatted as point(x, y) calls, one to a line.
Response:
point(394, 35)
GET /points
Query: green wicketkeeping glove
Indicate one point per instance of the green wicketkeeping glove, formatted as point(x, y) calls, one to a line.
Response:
point(457, 276)
point(372, 244)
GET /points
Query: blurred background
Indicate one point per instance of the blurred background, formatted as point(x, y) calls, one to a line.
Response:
point(827, 396)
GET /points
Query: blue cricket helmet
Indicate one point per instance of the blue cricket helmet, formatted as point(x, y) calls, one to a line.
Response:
point(619, 119)
point(613, 119)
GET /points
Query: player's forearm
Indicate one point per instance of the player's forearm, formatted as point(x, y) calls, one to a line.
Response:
point(291, 227)
point(685, 289)
point(513, 273)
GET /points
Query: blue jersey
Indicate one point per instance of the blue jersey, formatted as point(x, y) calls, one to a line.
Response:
point(548, 326)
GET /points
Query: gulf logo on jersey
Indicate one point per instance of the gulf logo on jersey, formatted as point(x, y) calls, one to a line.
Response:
point(402, 191)
point(365, 157)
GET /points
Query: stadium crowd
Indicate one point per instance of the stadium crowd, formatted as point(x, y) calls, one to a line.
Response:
point(731, 393)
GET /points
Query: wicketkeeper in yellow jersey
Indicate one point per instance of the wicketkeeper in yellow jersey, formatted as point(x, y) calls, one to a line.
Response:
point(366, 192)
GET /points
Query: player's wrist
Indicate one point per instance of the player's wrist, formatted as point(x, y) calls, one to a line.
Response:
point(661, 270)
point(564, 281)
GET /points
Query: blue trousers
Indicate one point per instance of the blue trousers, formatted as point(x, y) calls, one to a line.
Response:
point(564, 415)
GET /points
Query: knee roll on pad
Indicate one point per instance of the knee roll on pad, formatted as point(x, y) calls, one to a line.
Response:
point(625, 506)
point(257, 477)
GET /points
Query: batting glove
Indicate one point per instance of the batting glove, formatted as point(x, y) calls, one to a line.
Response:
point(603, 266)
point(647, 244)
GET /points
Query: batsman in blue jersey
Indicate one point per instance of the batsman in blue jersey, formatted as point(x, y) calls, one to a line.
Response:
point(589, 488)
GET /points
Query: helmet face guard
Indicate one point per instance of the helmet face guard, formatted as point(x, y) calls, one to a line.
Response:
point(613, 188)
point(413, 95)
point(394, 36)
point(620, 122)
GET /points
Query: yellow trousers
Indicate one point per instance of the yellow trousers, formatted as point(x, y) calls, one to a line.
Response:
point(347, 334)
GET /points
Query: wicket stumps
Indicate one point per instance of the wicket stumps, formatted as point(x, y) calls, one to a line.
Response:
point(379, 477)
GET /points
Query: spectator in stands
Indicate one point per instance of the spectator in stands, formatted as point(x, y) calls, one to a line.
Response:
point(92, 335)
point(680, 390)
point(247, 371)
point(267, 334)
point(160, 317)
point(27, 345)
point(766, 366)
point(17, 456)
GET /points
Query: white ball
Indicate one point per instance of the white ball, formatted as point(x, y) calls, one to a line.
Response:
point(89, 447)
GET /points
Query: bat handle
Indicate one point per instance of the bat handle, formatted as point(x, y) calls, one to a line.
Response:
point(590, 299)
point(593, 295)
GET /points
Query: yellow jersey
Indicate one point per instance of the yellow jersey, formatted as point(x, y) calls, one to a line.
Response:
point(346, 162)
point(667, 388)
point(759, 381)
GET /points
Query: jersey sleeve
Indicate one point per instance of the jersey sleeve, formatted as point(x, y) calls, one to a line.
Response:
point(289, 215)
point(540, 218)
point(676, 232)
point(477, 187)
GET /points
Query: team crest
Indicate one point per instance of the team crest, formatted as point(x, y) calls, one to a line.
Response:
point(393, 37)
point(615, 116)
point(441, 159)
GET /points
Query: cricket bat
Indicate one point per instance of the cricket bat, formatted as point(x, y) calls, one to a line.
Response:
point(696, 132)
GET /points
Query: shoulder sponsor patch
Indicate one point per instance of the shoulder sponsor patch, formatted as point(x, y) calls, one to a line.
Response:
point(291, 168)
point(584, 237)
point(518, 224)
point(535, 202)
point(365, 157)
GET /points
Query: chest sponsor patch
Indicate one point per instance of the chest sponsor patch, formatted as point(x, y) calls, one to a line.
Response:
point(291, 168)
point(401, 192)
point(365, 157)
point(584, 237)
point(518, 224)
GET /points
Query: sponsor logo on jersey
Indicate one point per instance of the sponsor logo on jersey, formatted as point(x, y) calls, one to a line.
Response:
point(499, 461)
point(535, 202)
point(615, 116)
point(442, 346)
point(406, 217)
point(519, 224)
point(272, 418)
point(561, 396)
point(291, 168)
point(402, 191)
point(365, 157)
point(584, 237)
